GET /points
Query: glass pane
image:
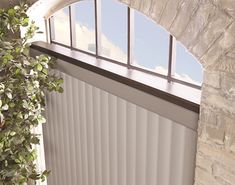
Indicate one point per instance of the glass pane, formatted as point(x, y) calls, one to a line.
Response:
point(60, 27)
point(151, 45)
point(114, 30)
point(187, 67)
point(85, 25)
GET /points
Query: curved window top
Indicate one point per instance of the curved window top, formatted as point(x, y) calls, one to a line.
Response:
point(112, 31)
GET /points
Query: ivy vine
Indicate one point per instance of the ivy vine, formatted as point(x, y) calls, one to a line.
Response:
point(23, 82)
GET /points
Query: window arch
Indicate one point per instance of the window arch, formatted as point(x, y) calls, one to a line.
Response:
point(126, 37)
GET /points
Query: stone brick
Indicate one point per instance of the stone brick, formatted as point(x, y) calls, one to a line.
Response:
point(204, 177)
point(170, 12)
point(214, 29)
point(228, 39)
point(226, 5)
point(211, 56)
point(198, 22)
point(125, 1)
point(157, 9)
point(146, 6)
point(220, 102)
point(218, 155)
point(187, 10)
point(226, 62)
point(216, 135)
point(220, 171)
point(208, 116)
point(204, 163)
point(228, 86)
point(212, 78)
point(135, 4)
point(230, 132)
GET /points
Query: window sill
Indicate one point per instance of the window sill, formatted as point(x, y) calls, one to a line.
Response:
point(176, 93)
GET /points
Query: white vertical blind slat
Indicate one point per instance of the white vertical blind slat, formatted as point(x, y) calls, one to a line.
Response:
point(113, 158)
point(95, 138)
point(76, 131)
point(97, 135)
point(152, 149)
point(105, 138)
point(131, 143)
point(83, 133)
point(90, 134)
point(141, 145)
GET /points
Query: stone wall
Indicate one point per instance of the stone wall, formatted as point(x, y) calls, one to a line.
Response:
point(207, 29)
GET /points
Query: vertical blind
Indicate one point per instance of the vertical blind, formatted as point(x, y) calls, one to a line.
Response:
point(95, 138)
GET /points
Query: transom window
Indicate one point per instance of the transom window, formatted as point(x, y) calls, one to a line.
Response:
point(114, 32)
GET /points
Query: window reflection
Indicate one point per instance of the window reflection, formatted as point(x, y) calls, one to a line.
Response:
point(151, 45)
point(84, 25)
point(114, 30)
point(60, 27)
point(187, 67)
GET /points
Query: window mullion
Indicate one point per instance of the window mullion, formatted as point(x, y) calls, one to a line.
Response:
point(171, 61)
point(98, 26)
point(52, 29)
point(72, 22)
point(130, 41)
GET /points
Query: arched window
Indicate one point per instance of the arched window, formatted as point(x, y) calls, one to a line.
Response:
point(126, 37)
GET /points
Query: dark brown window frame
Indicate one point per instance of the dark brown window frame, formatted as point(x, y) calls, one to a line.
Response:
point(130, 15)
point(175, 93)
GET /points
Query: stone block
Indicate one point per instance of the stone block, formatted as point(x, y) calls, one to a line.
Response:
point(208, 116)
point(186, 12)
point(145, 7)
point(216, 135)
point(170, 12)
point(135, 4)
point(218, 155)
point(228, 38)
point(125, 1)
point(221, 172)
point(198, 23)
point(212, 78)
point(157, 9)
point(226, 5)
point(228, 86)
point(204, 177)
point(204, 163)
point(220, 102)
point(214, 29)
point(212, 56)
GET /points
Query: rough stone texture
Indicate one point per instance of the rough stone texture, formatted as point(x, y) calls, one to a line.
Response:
point(170, 14)
point(183, 17)
point(157, 9)
point(207, 29)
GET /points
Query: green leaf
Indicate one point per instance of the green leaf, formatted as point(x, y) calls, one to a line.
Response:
point(5, 107)
point(41, 120)
point(39, 67)
point(11, 104)
point(25, 22)
point(61, 90)
point(11, 12)
point(35, 140)
point(9, 95)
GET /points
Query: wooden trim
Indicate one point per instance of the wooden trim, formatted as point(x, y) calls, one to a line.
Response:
point(67, 55)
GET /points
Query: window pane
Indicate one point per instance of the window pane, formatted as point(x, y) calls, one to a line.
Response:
point(85, 25)
point(114, 30)
point(151, 45)
point(187, 67)
point(60, 27)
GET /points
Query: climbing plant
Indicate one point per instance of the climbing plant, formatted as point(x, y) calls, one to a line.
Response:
point(23, 82)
